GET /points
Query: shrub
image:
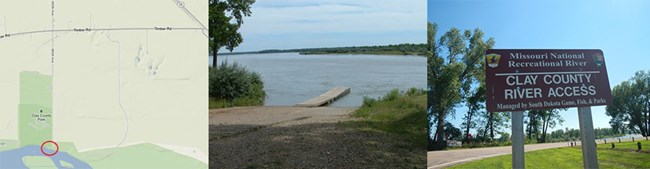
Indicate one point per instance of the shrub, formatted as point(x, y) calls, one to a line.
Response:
point(368, 102)
point(392, 95)
point(232, 82)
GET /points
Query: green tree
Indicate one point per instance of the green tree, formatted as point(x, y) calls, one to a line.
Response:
point(494, 121)
point(606, 133)
point(539, 121)
point(454, 133)
point(469, 120)
point(557, 135)
point(631, 105)
point(475, 102)
point(505, 137)
point(532, 124)
point(549, 118)
point(573, 134)
point(450, 76)
point(223, 31)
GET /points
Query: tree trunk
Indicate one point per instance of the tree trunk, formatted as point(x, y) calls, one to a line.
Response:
point(544, 128)
point(435, 134)
point(541, 139)
point(529, 128)
point(487, 127)
point(469, 121)
point(491, 131)
point(491, 125)
point(440, 133)
point(214, 56)
point(648, 120)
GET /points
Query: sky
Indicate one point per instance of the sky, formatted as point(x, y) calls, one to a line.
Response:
point(620, 29)
point(292, 24)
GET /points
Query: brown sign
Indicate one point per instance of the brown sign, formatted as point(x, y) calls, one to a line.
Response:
point(531, 79)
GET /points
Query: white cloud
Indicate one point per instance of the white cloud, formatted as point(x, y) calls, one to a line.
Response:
point(331, 17)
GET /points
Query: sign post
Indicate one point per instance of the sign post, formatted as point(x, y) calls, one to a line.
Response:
point(518, 140)
point(538, 79)
point(589, 155)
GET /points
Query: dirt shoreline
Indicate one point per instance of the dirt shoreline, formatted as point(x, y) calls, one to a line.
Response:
point(295, 137)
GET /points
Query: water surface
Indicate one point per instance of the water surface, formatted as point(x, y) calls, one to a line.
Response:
point(290, 78)
point(14, 158)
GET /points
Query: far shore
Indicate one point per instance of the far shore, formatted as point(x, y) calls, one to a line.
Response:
point(397, 50)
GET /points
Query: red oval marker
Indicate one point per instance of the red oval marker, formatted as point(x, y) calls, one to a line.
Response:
point(55, 144)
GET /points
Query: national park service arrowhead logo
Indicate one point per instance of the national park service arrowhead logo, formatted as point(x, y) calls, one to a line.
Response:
point(493, 59)
point(599, 59)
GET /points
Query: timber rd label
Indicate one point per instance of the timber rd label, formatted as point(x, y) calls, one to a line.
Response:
point(543, 79)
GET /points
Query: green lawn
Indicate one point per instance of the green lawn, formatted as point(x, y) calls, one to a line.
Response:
point(571, 157)
point(627, 145)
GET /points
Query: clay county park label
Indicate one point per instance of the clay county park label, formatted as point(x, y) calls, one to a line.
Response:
point(541, 79)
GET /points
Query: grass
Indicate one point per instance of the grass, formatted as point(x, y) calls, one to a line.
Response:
point(402, 114)
point(571, 157)
point(237, 102)
point(494, 144)
point(629, 146)
point(401, 118)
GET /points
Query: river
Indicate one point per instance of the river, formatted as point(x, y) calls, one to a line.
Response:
point(14, 158)
point(290, 78)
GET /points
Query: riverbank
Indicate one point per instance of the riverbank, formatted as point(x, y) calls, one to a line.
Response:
point(388, 132)
point(296, 137)
point(396, 49)
point(388, 53)
point(402, 114)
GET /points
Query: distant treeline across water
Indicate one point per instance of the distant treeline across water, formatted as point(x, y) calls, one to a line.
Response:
point(399, 49)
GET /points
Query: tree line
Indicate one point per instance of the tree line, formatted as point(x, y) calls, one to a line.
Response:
point(456, 77)
point(455, 74)
point(559, 135)
point(393, 49)
point(630, 107)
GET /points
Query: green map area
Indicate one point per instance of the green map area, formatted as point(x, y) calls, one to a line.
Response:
point(136, 156)
point(35, 109)
point(35, 127)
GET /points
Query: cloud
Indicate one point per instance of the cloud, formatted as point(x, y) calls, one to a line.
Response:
point(296, 18)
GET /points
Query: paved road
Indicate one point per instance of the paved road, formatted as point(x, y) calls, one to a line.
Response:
point(442, 159)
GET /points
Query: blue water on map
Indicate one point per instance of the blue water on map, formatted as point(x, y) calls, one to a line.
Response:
point(13, 159)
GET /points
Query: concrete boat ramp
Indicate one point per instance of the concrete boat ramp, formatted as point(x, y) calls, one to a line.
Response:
point(325, 98)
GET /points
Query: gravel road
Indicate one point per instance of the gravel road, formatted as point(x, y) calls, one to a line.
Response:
point(296, 137)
